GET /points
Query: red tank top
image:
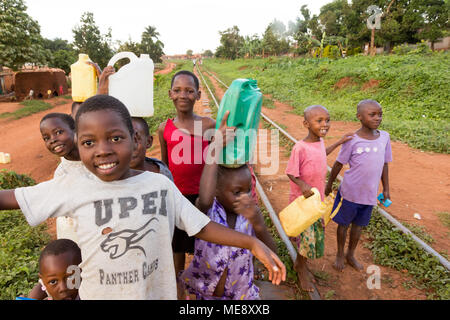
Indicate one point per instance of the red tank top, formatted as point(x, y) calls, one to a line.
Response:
point(186, 157)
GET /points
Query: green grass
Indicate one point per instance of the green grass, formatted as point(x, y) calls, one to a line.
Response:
point(413, 89)
point(30, 107)
point(20, 244)
point(445, 218)
point(390, 247)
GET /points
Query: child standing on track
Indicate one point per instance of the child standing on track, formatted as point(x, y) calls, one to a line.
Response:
point(222, 272)
point(183, 142)
point(307, 168)
point(368, 155)
point(126, 217)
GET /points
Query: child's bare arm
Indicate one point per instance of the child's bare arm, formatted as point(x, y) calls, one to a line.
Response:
point(8, 200)
point(385, 181)
point(103, 80)
point(345, 138)
point(306, 188)
point(216, 233)
point(246, 207)
point(162, 143)
point(208, 180)
point(334, 173)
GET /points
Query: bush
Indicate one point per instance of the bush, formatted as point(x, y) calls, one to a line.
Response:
point(402, 49)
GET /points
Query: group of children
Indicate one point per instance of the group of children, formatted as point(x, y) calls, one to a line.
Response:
point(136, 217)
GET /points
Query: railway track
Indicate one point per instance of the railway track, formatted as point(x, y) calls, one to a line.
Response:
point(273, 215)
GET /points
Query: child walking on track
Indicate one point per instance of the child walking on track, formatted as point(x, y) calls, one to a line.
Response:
point(125, 217)
point(307, 168)
point(183, 142)
point(368, 155)
point(221, 272)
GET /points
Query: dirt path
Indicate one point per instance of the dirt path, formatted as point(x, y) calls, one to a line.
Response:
point(419, 183)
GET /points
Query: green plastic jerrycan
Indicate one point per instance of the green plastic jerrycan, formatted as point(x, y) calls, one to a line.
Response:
point(243, 99)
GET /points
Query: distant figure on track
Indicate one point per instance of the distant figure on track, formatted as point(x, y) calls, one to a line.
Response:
point(368, 155)
point(307, 168)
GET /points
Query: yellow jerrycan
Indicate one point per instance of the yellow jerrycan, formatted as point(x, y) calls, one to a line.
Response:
point(302, 213)
point(84, 79)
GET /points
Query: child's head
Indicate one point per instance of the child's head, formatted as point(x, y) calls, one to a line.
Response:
point(231, 183)
point(75, 106)
point(58, 130)
point(370, 113)
point(317, 120)
point(105, 137)
point(184, 90)
point(145, 141)
point(54, 262)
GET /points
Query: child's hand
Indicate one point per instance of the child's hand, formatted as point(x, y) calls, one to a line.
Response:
point(327, 190)
point(245, 206)
point(306, 190)
point(386, 194)
point(276, 268)
point(346, 137)
point(224, 134)
point(103, 80)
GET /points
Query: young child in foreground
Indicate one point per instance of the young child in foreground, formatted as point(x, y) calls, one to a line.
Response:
point(307, 168)
point(368, 155)
point(217, 271)
point(54, 271)
point(125, 217)
point(182, 140)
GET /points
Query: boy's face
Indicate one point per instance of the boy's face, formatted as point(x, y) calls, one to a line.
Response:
point(229, 189)
point(58, 137)
point(53, 273)
point(184, 93)
point(144, 141)
point(105, 144)
point(370, 116)
point(318, 122)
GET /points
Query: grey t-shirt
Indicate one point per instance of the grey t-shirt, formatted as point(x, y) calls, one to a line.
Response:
point(125, 230)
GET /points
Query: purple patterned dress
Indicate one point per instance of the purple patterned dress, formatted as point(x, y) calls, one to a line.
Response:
point(210, 260)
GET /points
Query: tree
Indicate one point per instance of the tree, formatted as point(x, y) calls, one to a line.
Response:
point(230, 43)
point(89, 40)
point(20, 38)
point(434, 20)
point(251, 47)
point(151, 45)
point(189, 53)
point(60, 53)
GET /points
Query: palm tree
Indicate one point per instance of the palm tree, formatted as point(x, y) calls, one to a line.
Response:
point(150, 46)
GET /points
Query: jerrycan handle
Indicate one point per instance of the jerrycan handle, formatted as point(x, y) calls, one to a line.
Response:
point(122, 55)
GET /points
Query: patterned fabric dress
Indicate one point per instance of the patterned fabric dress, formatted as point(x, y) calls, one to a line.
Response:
point(210, 261)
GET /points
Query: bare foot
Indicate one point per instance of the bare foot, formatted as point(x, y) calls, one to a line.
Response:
point(353, 262)
point(305, 282)
point(339, 264)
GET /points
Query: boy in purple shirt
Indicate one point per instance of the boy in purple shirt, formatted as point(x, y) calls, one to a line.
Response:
point(367, 154)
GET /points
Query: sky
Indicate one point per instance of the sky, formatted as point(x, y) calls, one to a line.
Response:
point(182, 25)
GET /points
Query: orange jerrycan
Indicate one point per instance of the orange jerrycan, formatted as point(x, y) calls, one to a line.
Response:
point(302, 213)
point(84, 79)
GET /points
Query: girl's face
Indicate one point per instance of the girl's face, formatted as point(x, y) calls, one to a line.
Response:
point(236, 183)
point(318, 122)
point(371, 116)
point(54, 276)
point(58, 137)
point(144, 142)
point(184, 93)
point(105, 144)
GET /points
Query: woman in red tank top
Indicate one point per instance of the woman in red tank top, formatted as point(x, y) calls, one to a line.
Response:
point(182, 149)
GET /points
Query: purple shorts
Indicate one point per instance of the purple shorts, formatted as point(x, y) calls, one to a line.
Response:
point(351, 212)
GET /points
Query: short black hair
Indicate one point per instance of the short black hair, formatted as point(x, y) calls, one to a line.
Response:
point(64, 117)
point(101, 102)
point(309, 109)
point(364, 103)
point(144, 124)
point(187, 73)
point(223, 171)
point(60, 246)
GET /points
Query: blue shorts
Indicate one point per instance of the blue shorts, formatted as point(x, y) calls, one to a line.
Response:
point(351, 212)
